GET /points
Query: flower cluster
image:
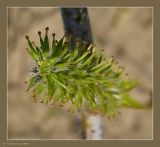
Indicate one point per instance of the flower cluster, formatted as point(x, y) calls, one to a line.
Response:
point(79, 77)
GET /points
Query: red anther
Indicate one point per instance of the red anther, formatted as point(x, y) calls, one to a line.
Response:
point(42, 101)
point(126, 74)
point(122, 67)
point(39, 32)
point(119, 66)
point(25, 82)
point(47, 28)
point(116, 62)
point(27, 37)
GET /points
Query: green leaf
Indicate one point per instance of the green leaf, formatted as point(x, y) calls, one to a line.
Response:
point(103, 68)
point(51, 86)
point(46, 43)
point(58, 82)
point(98, 66)
point(33, 81)
point(39, 89)
point(87, 61)
point(41, 41)
point(58, 48)
point(39, 52)
point(128, 85)
point(109, 106)
point(128, 101)
point(33, 54)
point(78, 99)
point(82, 57)
point(89, 95)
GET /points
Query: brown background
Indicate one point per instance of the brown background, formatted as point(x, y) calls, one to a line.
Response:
point(125, 33)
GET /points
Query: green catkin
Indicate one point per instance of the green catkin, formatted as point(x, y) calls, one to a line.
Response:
point(80, 77)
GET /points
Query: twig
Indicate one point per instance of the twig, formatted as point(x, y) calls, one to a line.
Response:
point(76, 22)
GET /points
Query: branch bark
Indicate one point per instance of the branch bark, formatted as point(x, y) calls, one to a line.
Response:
point(76, 22)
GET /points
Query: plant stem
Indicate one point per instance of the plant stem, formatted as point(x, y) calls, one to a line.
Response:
point(76, 22)
point(92, 126)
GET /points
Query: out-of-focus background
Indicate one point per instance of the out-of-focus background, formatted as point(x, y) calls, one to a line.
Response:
point(125, 33)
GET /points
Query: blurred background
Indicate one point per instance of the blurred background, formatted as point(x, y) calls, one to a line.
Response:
point(125, 33)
